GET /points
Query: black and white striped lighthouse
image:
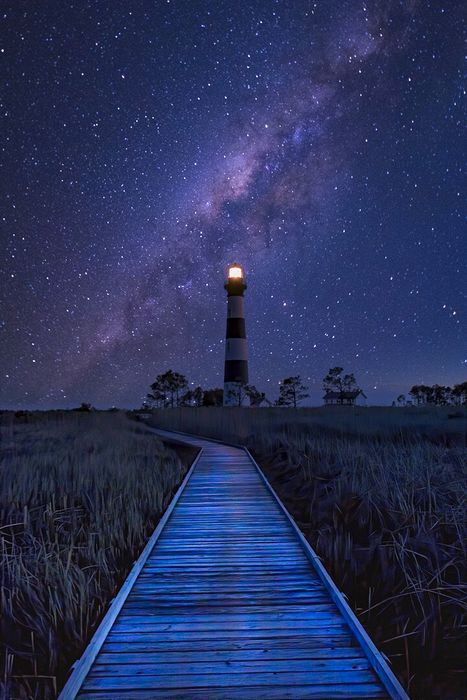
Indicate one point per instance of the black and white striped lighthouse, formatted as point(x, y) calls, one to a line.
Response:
point(236, 357)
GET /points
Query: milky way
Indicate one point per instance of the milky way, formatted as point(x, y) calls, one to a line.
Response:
point(147, 145)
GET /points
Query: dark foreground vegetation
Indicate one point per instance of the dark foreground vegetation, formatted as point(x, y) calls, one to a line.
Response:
point(380, 495)
point(80, 493)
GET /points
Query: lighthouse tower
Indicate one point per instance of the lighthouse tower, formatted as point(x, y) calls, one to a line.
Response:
point(236, 358)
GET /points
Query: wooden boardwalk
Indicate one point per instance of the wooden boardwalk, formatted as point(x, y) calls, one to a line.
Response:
point(228, 601)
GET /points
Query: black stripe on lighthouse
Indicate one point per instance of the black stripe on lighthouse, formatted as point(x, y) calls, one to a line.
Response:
point(236, 371)
point(236, 328)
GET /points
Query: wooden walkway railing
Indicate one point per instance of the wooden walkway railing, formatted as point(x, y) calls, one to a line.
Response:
point(229, 601)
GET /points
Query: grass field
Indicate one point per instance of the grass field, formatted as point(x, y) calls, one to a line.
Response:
point(79, 496)
point(380, 494)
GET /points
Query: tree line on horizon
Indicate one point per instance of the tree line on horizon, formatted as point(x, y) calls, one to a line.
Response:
point(171, 389)
point(435, 395)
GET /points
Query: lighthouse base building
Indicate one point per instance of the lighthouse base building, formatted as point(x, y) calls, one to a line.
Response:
point(236, 357)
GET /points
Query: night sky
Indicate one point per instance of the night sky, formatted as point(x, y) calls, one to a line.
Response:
point(145, 145)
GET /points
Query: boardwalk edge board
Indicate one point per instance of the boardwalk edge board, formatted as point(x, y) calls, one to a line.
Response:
point(82, 667)
point(375, 657)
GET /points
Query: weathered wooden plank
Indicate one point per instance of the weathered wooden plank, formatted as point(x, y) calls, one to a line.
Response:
point(212, 588)
point(207, 579)
point(210, 561)
point(212, 557)
point(234, 541)
point(225, 679)
point(232, 666)
point(139, 635)
point(249, 596)
point(234, 616)
point(248, 568)
point(148, 626)
point(150, 608)
point(193, 616)
point(221, 589)
point(235, 643)
point(358, 691)
point(273, 567)
point(256, 577)
point(194, 548)
point(212, 583)
point(253, 528)
point(225, 574)
point(224, 600)
point(169, 657)
point(189, 600)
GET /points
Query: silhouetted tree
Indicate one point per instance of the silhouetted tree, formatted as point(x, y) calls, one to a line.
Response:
point(459, 394)
point(213, 397)
point(156, 399)
point(292, 391)
point(336, 381)
point(238, 393)
point(192, 397)
point(417, 394)
point(401, 400)
point(441, 395)
point(167, 389)
point(186, 399)
point(256, 397)
point(198, 396)
point(85, 408)
point(423, 394)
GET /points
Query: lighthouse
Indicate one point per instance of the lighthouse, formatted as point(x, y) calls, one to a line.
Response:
point(236, 358)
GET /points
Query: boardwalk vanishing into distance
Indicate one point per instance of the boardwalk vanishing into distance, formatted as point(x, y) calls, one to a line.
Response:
point(229, 601)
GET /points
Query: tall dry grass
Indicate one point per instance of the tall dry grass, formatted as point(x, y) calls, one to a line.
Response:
point(380, 494)
point(79, 496)
point(445, 425)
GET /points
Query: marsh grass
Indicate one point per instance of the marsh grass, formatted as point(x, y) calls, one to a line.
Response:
point(433, 424)
point(380, 495)
point(79, 496)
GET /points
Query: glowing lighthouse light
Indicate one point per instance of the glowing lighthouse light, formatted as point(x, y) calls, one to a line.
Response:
point(235, 272)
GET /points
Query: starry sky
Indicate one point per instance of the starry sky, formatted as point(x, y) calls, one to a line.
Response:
point(147, 144)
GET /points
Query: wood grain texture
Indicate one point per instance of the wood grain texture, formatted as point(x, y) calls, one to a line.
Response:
point(265, 692)
point(227, 604)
